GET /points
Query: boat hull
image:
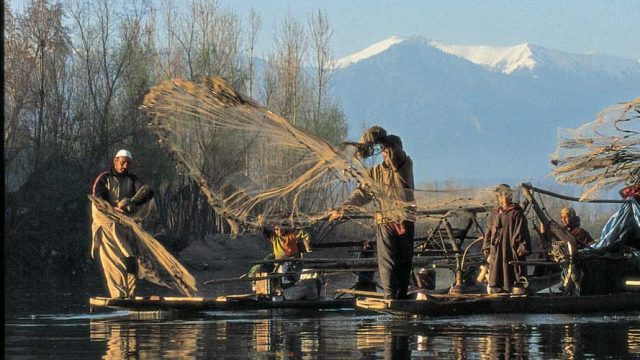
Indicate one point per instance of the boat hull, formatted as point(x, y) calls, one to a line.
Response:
point(195, 304)
point(503, 304)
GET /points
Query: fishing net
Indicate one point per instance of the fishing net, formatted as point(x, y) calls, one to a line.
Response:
point(254, 166)
point(602, 153)
point(155, 263)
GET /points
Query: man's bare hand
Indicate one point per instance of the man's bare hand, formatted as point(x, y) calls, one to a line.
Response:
point(522, 251)
point(122, 205)
point(336, 215)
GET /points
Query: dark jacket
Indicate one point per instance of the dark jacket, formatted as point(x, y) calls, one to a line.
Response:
point(114, 187)
point(505, 234)
point(395, 186)
point(583, 238)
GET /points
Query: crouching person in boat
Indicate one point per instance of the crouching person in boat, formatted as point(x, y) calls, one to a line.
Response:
point(506, 239)
point(287, 243)
point(571, 222)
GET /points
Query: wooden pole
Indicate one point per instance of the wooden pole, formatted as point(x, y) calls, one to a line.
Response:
point(570, 198)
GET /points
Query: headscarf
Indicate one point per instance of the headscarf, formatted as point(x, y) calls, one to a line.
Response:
point(504, 189)
point(573, 218)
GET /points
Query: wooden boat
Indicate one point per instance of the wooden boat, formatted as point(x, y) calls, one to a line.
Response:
point(479, 304)
point(221, 303)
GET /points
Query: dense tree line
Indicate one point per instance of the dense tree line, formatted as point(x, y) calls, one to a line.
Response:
point(75, 73)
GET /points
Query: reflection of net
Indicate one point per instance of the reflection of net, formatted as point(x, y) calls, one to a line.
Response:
point(601, 153)
point(249, 161)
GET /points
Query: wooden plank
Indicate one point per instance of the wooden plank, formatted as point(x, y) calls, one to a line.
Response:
point(99, 301)
point(236, 297)
point(360, 292)
point(536, 263)
point(229, 303)
point(183, 299)
point(570, 198)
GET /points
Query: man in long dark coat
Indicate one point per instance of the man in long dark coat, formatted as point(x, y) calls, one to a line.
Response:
point(506, 239)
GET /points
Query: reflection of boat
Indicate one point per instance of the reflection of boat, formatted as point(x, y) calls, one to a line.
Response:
point(479, 304)
point(221, 303)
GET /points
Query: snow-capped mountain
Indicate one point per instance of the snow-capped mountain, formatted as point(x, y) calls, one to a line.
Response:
point(478, 113)
point(370, 51)
point(503, 59)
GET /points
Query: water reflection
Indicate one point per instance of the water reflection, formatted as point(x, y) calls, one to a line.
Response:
point(330, 335)
point(153, 341)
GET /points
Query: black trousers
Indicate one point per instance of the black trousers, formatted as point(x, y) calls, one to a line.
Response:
point(395, 255)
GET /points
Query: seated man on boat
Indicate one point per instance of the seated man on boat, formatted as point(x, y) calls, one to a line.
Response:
point(571, 222)
point(614, 256)
point(506, 239)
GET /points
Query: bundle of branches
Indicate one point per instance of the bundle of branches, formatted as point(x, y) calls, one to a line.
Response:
point(602, 153)
point(253, 164)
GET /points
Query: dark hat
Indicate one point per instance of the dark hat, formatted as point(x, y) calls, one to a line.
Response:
point(374, 135)
point(392, 141)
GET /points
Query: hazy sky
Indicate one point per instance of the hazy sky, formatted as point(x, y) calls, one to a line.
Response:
point(608, 26)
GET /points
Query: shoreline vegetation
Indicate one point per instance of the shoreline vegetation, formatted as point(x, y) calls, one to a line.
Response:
point(75, 77)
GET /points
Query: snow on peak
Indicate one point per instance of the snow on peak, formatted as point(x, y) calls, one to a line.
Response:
point(372, 50)
point(505, 59)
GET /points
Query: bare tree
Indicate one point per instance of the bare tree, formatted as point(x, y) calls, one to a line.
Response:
point(322, 60)
point(72, 96)
point(254, 29)
point(36, 99)
point(286, 64)
point(106, 52)
point(327, 120)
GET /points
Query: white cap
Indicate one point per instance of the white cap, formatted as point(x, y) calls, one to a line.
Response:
point(124, 153)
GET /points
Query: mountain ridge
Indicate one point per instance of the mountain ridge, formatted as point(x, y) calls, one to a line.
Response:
point(454, 114)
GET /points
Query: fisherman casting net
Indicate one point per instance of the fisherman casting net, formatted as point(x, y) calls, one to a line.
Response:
point(602, 153)
point(253, 164)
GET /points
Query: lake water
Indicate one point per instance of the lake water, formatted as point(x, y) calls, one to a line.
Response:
point(57, 324)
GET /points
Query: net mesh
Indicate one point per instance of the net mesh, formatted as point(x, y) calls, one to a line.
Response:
point(602, 153)
point(252, 164)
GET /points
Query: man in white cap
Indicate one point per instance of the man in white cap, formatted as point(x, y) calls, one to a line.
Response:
point(111, 239)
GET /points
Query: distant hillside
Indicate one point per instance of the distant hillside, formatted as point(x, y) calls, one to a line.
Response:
point(478, 113)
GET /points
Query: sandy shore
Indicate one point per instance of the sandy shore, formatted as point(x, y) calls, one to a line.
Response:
point(221, 257)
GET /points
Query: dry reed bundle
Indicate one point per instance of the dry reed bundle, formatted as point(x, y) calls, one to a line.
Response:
point(602, 153)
